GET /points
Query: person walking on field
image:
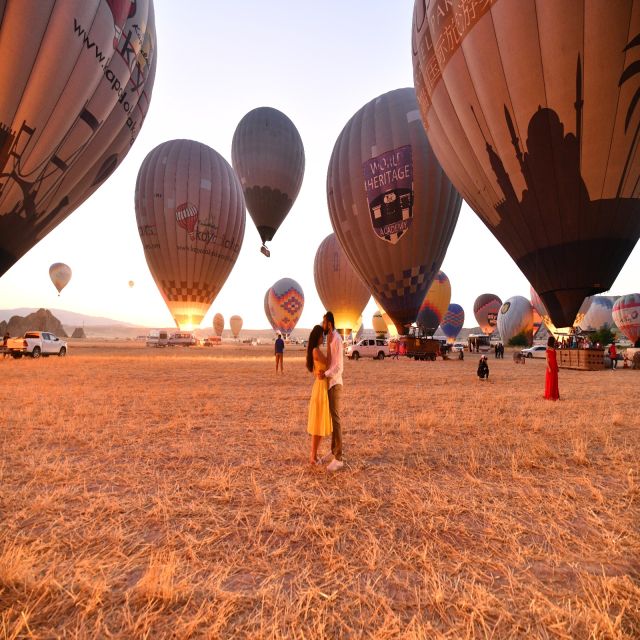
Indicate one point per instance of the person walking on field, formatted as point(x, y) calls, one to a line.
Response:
point(279, 350)
point(319, 421)
point(335, 367)
point(551, 391)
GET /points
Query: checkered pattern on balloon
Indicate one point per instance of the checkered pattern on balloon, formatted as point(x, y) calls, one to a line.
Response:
point(286, 308)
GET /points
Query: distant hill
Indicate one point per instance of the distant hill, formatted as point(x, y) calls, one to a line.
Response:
point(70, 318)
point(39, 320)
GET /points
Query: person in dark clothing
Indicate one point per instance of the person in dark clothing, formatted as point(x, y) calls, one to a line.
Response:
point(496, 350)
point(483, 368)
point(279, 351)
point(5, 340)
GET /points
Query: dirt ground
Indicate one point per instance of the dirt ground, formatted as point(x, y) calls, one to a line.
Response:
point(166, 494)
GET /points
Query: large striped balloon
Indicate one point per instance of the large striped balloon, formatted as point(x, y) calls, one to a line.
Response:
point(435, 304)
point(286, 302)
point(191, 218)
point(452, 321)
point(626, 315)
point(75, 86)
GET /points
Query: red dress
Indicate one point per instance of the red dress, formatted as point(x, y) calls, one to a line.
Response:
point(551, 391)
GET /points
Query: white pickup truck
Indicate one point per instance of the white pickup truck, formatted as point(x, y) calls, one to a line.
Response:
point(36, 344)
point(378, 349)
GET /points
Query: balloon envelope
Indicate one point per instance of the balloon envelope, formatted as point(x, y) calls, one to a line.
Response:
point(286, 301)
point(435, 304)
point(379, 325)
point(235, 322)
point(453, 321)
point(532, 109)
point(485, 310)
point(191, 218)
point(391, 327)
point(131, 284)
point(626, 315)
point(60, 275)
point(218, 324)
point(268, 156)
point(541, 310)
point(340, 288)
point(598, 314)
point(515, 317)
point(75, 85)
point(391, 205)
point(267, 312)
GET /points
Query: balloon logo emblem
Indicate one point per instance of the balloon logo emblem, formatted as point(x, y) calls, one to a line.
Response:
point(505, 307)
point(187, 218)
point(388, 180)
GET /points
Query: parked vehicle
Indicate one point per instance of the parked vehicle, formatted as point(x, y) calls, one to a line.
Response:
point(377, 348)
point(459, 346)
point(157, 338)
point(537, 351)
point(36, 344)
point(421, 347)
point(479, 342)
point(212, 341)
point(182, 340)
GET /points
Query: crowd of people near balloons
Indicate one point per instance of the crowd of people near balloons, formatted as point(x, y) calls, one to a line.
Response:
point(527, 156)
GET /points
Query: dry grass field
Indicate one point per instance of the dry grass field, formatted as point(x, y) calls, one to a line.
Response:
point(166, 494)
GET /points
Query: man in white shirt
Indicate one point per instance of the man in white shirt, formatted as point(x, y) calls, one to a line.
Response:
point(335, 367)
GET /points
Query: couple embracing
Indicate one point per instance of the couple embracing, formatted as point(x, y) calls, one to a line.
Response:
point(324, 407)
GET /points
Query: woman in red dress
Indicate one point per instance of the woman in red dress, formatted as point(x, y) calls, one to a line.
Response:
point(551, 391)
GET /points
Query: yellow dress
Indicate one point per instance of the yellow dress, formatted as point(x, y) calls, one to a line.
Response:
point(319, 423)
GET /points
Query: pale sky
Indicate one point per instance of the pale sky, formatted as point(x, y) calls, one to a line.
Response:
point(318, 63)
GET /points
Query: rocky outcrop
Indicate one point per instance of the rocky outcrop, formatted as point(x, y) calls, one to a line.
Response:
point(40, 320)
point(78, 332)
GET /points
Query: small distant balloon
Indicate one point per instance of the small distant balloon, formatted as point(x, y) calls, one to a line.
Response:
point(452, 322)
point(286, 301)
point(218, 324)
point(131, 284)
point(626, 315)
point(515, 317)
point(60, 275)
point(485, 309)
point(235, 322)
point(379, 325)
point(435, 304)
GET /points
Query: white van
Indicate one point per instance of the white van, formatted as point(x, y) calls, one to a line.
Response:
point(157, 338)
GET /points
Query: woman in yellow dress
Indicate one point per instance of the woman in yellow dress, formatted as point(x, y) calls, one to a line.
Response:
point(319, 423)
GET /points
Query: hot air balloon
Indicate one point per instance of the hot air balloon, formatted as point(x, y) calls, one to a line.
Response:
point(60, 275)
point(379, 325)
point(69, 112)
point(391, 205)
point(540, 308)
point(515, 317)
point(235, 322)
point(532, 110)
point(286, 301)
point(267, 312)
point(452, 322)
point(485, 309)
point(599, 314)
point(435, 304)
point(189, 261)
point(391, 327)
point(340, 288)
point(358, 330)
point(268, 156)
point(131, 284)
point(218, 324)
point(626, 315)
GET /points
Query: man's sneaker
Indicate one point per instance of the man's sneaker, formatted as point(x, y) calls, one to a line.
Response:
point(335, 465)
point(327, 457)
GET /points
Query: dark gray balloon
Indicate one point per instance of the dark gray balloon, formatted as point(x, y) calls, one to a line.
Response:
point(268, 156)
